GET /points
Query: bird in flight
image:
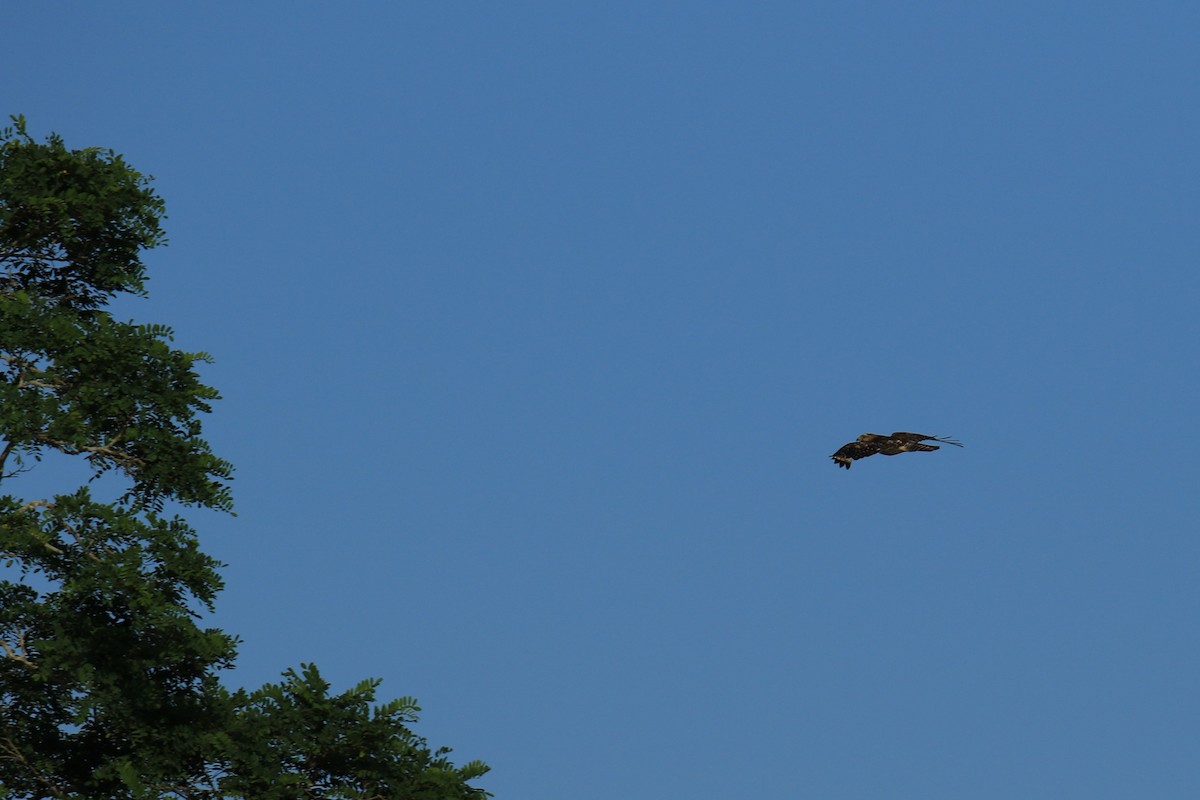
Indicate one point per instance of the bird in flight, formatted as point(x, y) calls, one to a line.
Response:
point(899, 442)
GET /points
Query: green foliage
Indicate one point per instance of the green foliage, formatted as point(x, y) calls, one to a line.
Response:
point(73, 223)
point(108, 684)
point(116, 393)
point(337, 747)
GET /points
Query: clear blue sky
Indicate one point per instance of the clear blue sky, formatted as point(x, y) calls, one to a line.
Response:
point(537, 323)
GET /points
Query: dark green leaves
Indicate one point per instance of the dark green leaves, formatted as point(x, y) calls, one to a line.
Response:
point(73, 223)
point(295, 740)
point(108, 685)
point(115, 393)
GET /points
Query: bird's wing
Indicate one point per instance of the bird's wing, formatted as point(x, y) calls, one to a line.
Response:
point(852, 452)
point(895, 446)
point(920, 437)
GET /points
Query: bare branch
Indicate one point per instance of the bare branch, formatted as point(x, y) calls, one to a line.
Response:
point(10, 752)
point(8, 449)
point(119, 457)
point(21, 657)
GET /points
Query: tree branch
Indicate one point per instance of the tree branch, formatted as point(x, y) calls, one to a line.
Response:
point(32, 504)
point(11, 752)
point(8, 449)
point(21, 657)
point(119, 457)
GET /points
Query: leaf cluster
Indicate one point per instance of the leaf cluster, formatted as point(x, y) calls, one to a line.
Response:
point(338, 746)
point(73, 223)
point(114, 392)
point(109, 685)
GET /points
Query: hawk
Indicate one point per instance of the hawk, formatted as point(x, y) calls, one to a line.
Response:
point(899, 442)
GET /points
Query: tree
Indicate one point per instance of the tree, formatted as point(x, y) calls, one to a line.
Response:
point(108, 684)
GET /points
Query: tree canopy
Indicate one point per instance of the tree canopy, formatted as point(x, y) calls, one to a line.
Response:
point(109, 684)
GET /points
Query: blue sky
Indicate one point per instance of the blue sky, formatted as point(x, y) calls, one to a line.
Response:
point(536, 324)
